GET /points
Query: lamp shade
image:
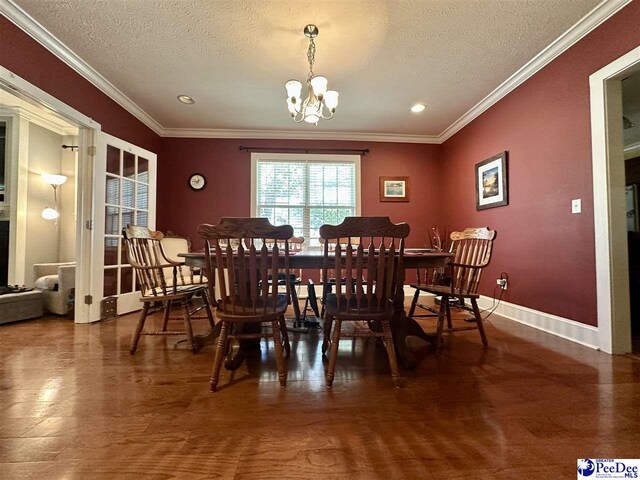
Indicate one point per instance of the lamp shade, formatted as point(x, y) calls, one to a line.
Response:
point(294, 88)
point(319, 85)
point(331, 99)
point(53, 179)
point(50, 214)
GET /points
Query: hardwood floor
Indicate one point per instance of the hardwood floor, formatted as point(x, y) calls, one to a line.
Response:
point(75, 405)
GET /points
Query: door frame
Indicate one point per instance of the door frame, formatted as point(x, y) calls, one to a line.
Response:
point(87, 136)
point(612, 263)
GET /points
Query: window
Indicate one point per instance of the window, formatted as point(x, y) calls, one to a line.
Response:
point(305, 191)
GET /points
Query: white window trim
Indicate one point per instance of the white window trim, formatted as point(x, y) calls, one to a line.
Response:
point(310, 157)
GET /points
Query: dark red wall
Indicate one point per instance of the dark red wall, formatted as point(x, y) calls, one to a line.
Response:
point(544, 124)
point(228, 172)
point(31, 61)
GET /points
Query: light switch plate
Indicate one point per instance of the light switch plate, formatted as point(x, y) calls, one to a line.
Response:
point(576, 205)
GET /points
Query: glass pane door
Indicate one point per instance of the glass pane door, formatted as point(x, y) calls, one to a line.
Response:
point(128, 182)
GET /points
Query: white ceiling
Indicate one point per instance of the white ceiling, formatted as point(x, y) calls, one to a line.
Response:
point(234, 57)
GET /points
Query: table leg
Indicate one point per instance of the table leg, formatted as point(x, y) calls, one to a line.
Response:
point(403, 327)
point(208, 338)
point(296, 305)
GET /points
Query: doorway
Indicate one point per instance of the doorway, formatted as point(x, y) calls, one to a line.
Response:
point(610, 202)
point(55, 123)
point(631, 147)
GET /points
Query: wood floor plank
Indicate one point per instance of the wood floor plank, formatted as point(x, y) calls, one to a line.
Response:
point(76, 405)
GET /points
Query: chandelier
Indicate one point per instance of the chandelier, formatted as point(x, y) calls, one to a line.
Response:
point(319, 100)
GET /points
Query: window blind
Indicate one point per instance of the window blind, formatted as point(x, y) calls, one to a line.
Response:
point(306, 194)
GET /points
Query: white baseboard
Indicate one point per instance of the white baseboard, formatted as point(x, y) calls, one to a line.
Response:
point(553, 324)
point(547, 322)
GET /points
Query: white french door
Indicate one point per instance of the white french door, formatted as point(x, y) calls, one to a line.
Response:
point(125, 193)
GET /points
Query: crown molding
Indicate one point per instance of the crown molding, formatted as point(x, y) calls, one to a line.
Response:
point(295, 135)
point(579, 30)
point(600, 13)
point(39, 33)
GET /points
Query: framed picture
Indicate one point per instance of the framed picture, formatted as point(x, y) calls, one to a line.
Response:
point(394, 189)
point(491, 182)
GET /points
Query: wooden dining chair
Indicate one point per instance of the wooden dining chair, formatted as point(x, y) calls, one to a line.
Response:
point(245, 293)
point(472, 248)
point(152, 267)
point(366, 266)
point(172, 246)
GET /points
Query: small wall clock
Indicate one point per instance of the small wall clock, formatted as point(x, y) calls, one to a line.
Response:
point(197, 182)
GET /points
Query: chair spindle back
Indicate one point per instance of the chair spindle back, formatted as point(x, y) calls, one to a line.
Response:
point(146, 256)
point(245, 253)
point(473, 248)
point(363, 251)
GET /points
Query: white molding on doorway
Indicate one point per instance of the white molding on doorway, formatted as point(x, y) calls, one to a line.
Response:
point(18, 173)
point(612, 271)
point(84, 206)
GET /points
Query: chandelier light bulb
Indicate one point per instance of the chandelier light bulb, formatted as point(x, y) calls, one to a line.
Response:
point(319, 103)
point(50, 214)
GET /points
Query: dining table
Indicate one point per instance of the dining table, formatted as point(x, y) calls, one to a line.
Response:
point(409, 337)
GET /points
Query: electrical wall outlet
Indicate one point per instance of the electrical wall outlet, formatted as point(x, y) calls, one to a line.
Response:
point(576, 205)
point(502, 283)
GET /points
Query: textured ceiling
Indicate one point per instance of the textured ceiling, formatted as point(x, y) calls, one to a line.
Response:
point(234, 57)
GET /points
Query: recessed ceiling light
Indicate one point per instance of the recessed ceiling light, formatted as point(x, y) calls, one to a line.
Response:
point(186, 99)
point(418, 107)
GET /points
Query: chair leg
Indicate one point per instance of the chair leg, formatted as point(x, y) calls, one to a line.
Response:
point(476, 313)
point(285, 336)
point(221, 352)
point(391, 352)
point(207, 308)
point(414, 302)
point(328, 322)
point(139, 327)
point(334, 353)
point(166, 314)
point(449, 324)
point(277, 340)
point(441, 314)
point(187, 324)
